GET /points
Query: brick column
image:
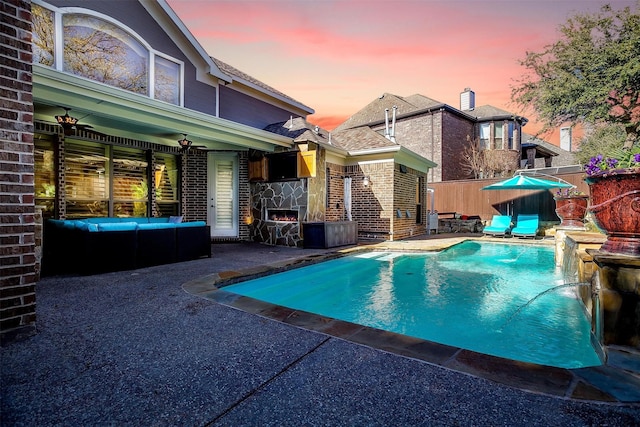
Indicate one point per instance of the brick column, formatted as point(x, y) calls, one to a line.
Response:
point(18, 266)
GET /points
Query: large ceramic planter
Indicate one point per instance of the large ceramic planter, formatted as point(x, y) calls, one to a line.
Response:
point(571, 210)
point(615, 205)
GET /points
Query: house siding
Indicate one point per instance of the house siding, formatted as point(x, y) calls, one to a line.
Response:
point(19, 265)
point(242, 108)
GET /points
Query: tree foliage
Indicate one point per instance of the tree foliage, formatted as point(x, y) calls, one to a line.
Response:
point(590, 75)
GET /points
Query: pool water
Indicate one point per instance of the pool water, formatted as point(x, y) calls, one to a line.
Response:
point(476, 296)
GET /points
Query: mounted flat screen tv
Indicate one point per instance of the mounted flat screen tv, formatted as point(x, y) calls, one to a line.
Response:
point(283, 166)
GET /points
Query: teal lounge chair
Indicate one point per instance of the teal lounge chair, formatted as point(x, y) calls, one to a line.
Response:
point(500, 225)
point(527, 226)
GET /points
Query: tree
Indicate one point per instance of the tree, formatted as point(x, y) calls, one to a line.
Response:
point(473, 162)
point(591, 75)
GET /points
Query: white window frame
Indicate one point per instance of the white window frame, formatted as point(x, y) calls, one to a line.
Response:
point(58, 53)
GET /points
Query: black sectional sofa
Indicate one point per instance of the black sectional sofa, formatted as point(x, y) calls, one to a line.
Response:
point(99, 245)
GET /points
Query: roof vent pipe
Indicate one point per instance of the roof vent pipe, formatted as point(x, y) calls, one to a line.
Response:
point(393, 124)
point(386, 123)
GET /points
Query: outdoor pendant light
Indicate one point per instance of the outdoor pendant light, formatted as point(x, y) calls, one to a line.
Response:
point(185, 144)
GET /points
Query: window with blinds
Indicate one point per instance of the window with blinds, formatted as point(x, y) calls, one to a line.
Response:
point(87, 179)
point(112, 181)
point(130, 185)
point(224, 194)
point(45, 176)
point(166, 180)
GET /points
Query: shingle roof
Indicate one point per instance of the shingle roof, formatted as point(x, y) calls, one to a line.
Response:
point(234, 72)
point(563, 158)
point(300, 130)
point(485, 111)
point(374, 111)
point(360, 138)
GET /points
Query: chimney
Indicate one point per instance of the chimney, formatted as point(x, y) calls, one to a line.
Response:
point(565, 138)
point(467, 99)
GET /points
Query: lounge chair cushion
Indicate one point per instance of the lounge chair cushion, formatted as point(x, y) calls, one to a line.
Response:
point(500, 225)
point(526, 226)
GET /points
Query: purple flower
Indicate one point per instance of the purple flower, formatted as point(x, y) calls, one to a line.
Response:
point(636, 158)
point(612, 163)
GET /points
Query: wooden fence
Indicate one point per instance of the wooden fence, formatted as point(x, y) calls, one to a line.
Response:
point(466, 197)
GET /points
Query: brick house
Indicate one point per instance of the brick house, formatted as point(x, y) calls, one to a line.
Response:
point(83, 140)
point(114, 109)
point(441, 132)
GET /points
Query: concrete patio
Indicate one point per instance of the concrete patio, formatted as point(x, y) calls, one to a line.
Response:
point(133, 348)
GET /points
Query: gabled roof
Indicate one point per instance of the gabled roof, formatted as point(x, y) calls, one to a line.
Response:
point(168, 11)
point(257, 84)
point(300, 130)
point(489, 112)
point(560, 156)
point(374, 111)
point(357, 144)
point(218, 68)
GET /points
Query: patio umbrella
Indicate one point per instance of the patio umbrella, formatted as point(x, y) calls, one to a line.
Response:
point(523, 182)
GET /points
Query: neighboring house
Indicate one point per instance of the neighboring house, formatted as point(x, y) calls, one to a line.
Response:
point(441, 132)
point(385, 182)
point(537, 154)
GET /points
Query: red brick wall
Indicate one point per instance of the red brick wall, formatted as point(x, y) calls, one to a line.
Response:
point(194, 185)
point(404, 196)
point(373, 205)
point(18, 266)
point(244, 201)
point(456, 132)
point(335, 204)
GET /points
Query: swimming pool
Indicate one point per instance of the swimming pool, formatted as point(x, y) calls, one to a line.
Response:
point(476, 296)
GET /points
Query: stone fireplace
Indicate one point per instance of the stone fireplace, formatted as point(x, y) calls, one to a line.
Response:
point(278, 208)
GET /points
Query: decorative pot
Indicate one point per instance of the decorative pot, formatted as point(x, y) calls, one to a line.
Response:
point(615, 205)
point(571, 210)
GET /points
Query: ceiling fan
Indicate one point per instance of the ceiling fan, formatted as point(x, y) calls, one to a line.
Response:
point(68, 123)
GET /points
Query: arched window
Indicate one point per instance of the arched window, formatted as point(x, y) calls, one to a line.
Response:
point(99, 49)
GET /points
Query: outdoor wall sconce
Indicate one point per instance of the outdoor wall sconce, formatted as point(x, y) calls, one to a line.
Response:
point(66, 122)
point(366, 181)
point(184, 143)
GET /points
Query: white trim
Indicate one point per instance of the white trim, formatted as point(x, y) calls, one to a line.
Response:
point(213, 68)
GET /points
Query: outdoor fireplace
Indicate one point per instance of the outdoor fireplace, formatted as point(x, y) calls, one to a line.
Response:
point(288, 215)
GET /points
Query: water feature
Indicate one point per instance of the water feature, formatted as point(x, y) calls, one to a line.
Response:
point(461, 297)
point(540, 295)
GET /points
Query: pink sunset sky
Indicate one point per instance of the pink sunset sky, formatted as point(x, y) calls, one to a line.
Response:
point(338, 56)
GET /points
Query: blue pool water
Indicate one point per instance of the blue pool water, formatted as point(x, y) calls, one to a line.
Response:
point(475, 296)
